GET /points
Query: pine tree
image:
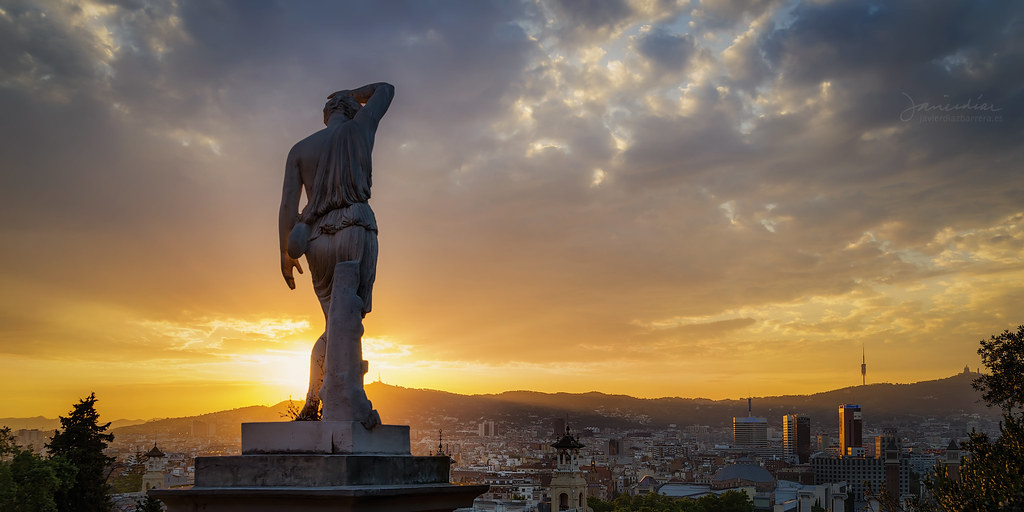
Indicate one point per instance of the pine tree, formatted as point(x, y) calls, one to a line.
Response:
point(81, 442)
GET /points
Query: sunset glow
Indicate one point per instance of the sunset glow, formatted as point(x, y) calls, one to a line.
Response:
point(697, 199)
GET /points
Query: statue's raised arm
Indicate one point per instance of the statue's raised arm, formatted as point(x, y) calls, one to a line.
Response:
point(375, 100)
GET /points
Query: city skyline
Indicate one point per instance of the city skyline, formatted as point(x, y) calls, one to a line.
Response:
point(703, 199)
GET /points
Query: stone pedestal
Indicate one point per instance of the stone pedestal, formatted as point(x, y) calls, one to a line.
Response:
point(339, 437)
point(321, 466)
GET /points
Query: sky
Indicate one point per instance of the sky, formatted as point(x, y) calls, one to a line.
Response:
point(702, 198)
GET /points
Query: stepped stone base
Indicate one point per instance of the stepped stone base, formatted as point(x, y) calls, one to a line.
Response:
point(347, 437)
point(321, 466)
point(414, 498)
point(319, 470)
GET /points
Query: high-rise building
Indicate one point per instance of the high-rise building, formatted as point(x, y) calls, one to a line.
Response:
point(851, 431)
point(749, 432)
point(486, 428)
point(888, 434)
point(796, 437)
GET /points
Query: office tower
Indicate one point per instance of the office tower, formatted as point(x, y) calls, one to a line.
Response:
point(882, 441)
point(851, 428)
point(749, 432)
point(486, 428)
point(796, 437)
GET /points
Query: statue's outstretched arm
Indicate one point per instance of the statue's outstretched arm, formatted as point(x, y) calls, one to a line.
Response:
point(287, 216)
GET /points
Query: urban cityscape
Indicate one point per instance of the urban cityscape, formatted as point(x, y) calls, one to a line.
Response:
point(511, 256)
point(536, 462)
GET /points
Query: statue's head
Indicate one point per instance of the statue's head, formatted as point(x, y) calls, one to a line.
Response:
point(343, 103)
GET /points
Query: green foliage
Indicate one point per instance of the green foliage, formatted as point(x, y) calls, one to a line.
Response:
point(730, 501)
point(81, 442)
point(7, 445)
point(817, 506)
point(29, 482)
point(129, 479)
point(599, 505)
point(992, 478)
point(150, 504)
point(1003, 355)
point(992, 475)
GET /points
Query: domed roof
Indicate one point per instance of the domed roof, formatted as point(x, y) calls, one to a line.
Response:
point(748, 472)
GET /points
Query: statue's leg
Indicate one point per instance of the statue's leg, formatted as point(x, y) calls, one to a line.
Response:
point(320, 260)
point(355, 244)
point(311, 410)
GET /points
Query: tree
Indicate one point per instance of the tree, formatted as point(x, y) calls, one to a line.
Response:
point(598, 505)
point(29, 482)
point(150, 504)
point(729, 501)
point(992, 476)
point(81, 443)
point(1003, 355)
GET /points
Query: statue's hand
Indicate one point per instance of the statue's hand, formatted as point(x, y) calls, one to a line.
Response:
point(287, 262)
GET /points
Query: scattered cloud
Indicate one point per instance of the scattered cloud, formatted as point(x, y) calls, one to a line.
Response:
point(718, 186)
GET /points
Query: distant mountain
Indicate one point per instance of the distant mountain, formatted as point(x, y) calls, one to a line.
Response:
point(941, 399)
point(222, 421)
point(881, 403)
point(42, 423)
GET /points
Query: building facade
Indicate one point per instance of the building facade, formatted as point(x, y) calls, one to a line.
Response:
point(796, 438)
point(749, 432)
point(851, 431)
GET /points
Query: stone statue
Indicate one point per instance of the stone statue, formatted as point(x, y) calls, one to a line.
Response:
point(337, 225)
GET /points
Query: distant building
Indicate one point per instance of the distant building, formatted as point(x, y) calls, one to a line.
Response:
point(743, 475)
point(851, 431)
point(796, 437)
point(749, 432)
point(888, 434)
point(32, 439)
point(614, 447)
point(557, 427)
point(486, 428)
point(952, 460)
point(156, 461)
point(568, 487)
point(824, 442)
point(856, 471)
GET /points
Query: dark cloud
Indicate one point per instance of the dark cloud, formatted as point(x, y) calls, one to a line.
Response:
point(726, 13)
point(670, 52)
